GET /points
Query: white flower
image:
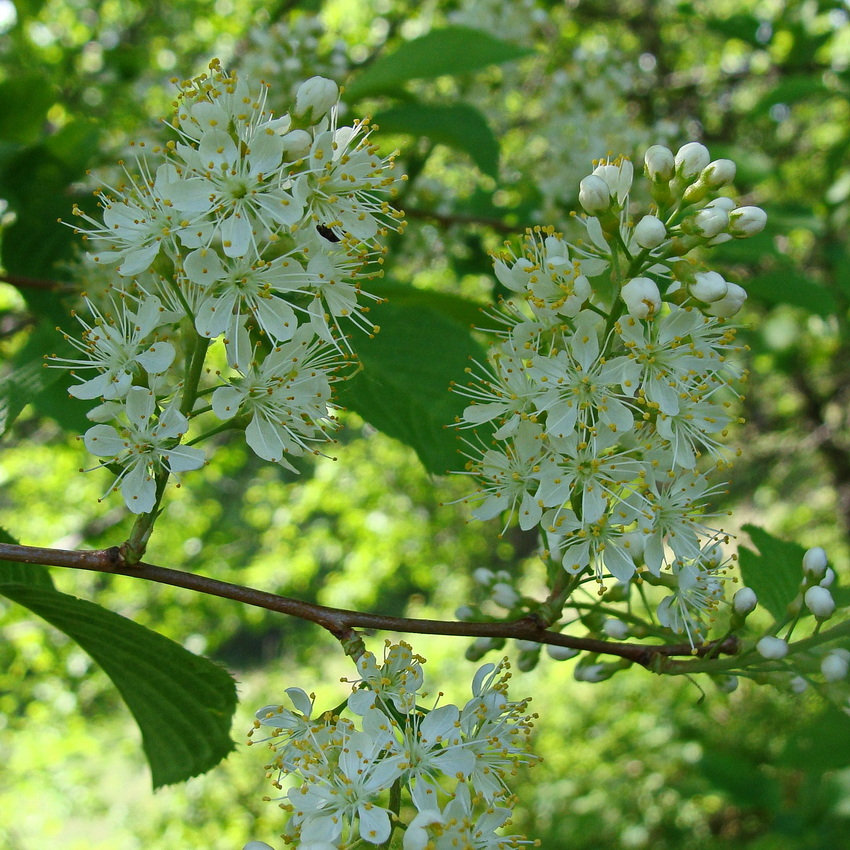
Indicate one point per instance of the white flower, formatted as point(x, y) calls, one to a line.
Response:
point(814, 562)
point(747, 221)
point(820, 602)
point(772, 648)
point(696, 597)
point(691, 159)
point(346, 184)
point(641, 297)
point(315, 98)
point(835, 665)
point(618, 176)
point(708, 287)
point(650, 232)
point(397, 680)
point(118, 345)
point(660, 163)
point(744, 601)
point(146, 446)
point(287, 396)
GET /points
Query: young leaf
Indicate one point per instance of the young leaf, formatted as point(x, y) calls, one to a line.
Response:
point(458, 126)
point(182, 703)
point(451, 50)
point(775, 574)
point(403, 389)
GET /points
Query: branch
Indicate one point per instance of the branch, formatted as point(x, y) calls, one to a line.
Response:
point(340, 622)
point(21, 282)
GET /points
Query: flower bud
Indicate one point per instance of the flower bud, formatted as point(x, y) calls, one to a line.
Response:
point(691, 159)
point(480, 647)
point(709, 221)
point(465, 613)
point(589, 672)
point(315, 98)
point(504, 595)
point(660, 164)
point(560, 653)
point(744, 601)
point(719, 173)
point(594, 195)
point(747, 221)
point(642, 297)
point(820, 602)
point(772, 648)
point(528, 645)
point(615, 628)
point(483, 576)
point(257, 845)
point(835, 665)
point(730, 304)
point(814, 563)
point(798, 684)
point(296, 144)
point(828, 578)
point(709, 287)
point(722, 203)
point(650, 232)
point(527, 661)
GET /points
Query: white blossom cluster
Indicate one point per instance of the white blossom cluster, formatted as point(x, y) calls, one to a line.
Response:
point(247, 230)
point(454, 763)
point(611, 379)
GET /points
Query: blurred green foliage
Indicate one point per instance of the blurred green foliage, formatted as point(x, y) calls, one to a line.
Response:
point(636, 762)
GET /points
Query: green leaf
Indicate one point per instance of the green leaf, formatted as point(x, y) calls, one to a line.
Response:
point(741, 26)
point(24, 101)
point(458, 126)
point(790, 90)
point(13, 572)
point(450, 50)
point(403, 389)
point(787, 285)
point(745, 783)
point(822, 743)
point(775, 574)
point(182, 703)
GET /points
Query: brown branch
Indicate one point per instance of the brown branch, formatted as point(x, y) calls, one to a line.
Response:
point(340, 622)
point(448, 219)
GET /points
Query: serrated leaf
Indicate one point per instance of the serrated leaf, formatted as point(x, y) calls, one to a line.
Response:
point(447, 51)
point(459, 126)
point(182, 703)
point(776, 573)
point(403, 389)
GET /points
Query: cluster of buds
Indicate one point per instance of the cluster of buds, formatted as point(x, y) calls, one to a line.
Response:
point(347, 775)
point(236, 252)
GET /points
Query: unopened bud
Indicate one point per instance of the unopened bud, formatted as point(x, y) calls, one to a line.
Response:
point(615, 628)
point(814, 562)
point(296, 144)
point(709, 287)
point(650, 232)
point(465, 613)
point(483, 576)
point(315, 98)
point(708, 222)
point(589, 672)
point(527, 661)
point(828, 578)
point(744, 601)
point(641, 297)
point(527, 645)
point(504, 595)
point(691, 159)
point(560, 653)
point(727, 684)
point(660, 164)
point(730, 304)
point(798, 684)
point(772, 648)
point(820, 602)
point(747, 221)
point(480, 647)
point(719, 173)
point(594, 195)
point(835, 665)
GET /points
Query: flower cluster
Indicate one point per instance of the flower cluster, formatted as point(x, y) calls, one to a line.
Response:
point(350, 773)
point(611, 379)
point(237, 251)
